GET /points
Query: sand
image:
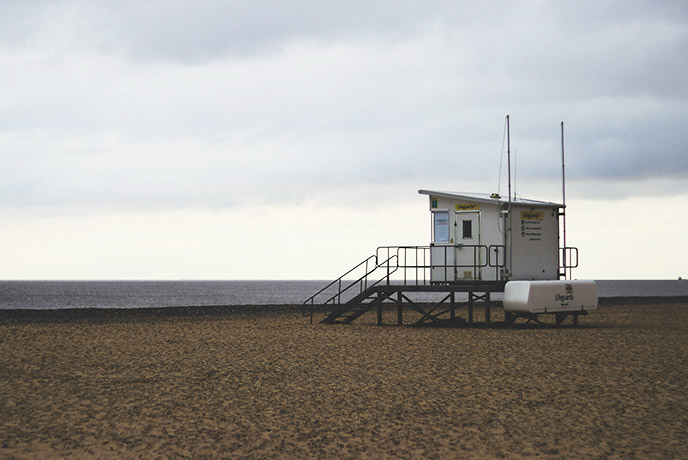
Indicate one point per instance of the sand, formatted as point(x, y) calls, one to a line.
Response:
point(271, 385)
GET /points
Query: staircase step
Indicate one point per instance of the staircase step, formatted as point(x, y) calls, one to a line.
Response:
point(356, 307)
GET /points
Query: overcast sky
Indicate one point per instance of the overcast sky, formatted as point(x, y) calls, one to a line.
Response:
point(268, 139)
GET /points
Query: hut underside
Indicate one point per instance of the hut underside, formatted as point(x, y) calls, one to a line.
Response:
point(455, 304)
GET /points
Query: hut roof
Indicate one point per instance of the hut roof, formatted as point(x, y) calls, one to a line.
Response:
point(487, 198)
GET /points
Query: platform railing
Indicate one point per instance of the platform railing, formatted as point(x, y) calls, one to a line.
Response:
point(568, 260)
point(411, 265)
point(415, 262)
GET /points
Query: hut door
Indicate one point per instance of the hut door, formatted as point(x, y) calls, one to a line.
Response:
point(468, 253)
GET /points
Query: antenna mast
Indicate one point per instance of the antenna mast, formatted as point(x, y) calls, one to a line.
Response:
point(563, 193)
point(508, 156)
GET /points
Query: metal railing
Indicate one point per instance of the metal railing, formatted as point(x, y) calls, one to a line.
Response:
point(568, 260)
point(416, 264)
point(341, 286)
point(412, 264)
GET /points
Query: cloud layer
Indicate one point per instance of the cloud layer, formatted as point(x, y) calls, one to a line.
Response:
point(168, 104)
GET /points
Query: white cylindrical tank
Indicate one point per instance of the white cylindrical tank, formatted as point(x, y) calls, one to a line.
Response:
point(550, 296)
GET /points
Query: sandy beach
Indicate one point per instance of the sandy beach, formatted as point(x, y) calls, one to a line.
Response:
point(235, 384)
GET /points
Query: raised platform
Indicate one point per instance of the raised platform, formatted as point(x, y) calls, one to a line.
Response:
point(445, 311)
point(450, 309)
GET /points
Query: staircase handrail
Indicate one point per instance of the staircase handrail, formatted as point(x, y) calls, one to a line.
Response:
point(360, 281)
point(311, 299)
point(386, 277)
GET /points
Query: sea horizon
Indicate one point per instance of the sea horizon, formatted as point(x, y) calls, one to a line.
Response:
point(62, 294)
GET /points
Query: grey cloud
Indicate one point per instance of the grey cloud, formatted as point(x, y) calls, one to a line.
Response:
point(190, 31)
point(169, 104)
point(193, 32)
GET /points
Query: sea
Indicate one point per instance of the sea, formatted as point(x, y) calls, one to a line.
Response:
point(154, 294)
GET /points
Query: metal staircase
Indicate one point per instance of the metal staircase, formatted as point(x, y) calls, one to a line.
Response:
point(357, 306)
point(334, 299)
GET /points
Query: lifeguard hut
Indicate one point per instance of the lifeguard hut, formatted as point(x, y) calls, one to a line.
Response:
point(482, 246)
point(488, 237)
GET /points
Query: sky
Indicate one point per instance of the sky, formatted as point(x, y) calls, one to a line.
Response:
point(287, 140)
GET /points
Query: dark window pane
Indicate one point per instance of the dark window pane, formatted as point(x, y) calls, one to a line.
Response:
point(467, 229)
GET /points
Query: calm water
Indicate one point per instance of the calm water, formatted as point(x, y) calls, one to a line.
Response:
point(137, 294)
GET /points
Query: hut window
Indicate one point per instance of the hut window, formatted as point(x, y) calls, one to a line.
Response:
point(440, 227)
point(467, 229)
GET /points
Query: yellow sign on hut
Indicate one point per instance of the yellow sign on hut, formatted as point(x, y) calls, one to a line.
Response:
point(532, 215)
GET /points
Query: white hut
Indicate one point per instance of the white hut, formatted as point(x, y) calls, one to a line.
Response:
point(486, 237)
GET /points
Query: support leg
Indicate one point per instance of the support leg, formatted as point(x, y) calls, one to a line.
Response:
point(559, 318)
point(487, 309)
point(509, 318)
point(400, 319)
point(470, 308)
point(453, 307)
